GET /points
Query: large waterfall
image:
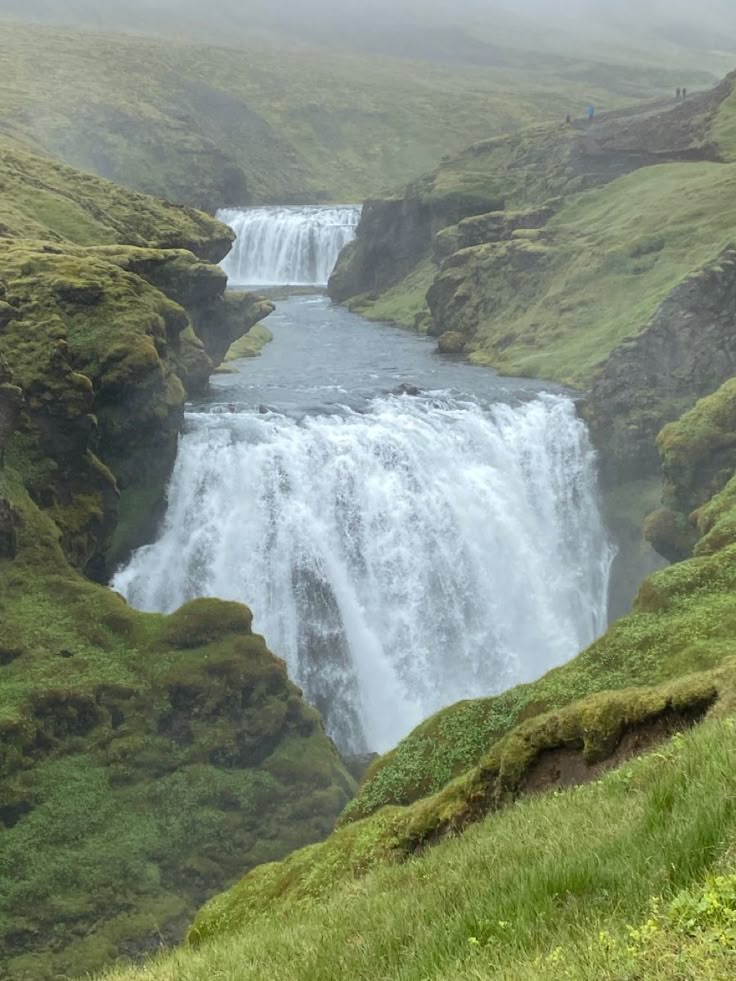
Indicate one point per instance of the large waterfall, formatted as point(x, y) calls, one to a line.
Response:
point(287, 246)
point(402, 558)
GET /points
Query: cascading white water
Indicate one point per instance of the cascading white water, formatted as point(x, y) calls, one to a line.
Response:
point(401, 559)
point(287, 246)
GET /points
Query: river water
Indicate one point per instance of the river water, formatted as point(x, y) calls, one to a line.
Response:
point(401, 552)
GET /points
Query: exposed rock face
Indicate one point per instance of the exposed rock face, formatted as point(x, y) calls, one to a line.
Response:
point(393, 235)
point(686, 351)
point(8, 530)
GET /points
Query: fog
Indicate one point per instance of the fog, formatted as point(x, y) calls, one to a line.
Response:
point(472, 30)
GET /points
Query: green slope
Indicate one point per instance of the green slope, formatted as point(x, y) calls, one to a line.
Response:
point(598, 272)
point(553, 295)
point(559, 887)
point(273, 121)
point(126, 741)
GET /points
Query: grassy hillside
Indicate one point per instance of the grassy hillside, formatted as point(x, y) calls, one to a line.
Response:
point(553, 294)
point(603, 883)
point(484, 32)
point(45, 200)
point(216, 126)
point(598, 271)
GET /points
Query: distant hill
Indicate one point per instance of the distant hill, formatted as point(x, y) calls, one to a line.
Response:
point(277, 120)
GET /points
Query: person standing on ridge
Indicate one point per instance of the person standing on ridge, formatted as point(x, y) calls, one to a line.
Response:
point(591, 113)
point(679, 93)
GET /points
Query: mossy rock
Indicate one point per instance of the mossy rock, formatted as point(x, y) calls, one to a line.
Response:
point(451, 342)
point(205, 621)
point(671, 534)
point(104, 349)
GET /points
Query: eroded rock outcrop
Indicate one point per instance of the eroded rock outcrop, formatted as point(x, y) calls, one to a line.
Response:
point(105, 346)
point(393, 236)
point(685, 352)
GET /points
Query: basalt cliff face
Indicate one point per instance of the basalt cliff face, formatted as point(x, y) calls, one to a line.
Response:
point(144, 760)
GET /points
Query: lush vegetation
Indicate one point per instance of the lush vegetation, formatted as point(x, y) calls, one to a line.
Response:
point(553, 295)
point(556, 305)
point(148, 761)
point(143, 759)
point(609, 881)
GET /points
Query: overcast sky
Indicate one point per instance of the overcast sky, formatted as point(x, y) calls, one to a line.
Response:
point(700, 23)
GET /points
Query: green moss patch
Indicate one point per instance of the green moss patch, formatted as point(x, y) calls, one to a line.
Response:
point(145, 760)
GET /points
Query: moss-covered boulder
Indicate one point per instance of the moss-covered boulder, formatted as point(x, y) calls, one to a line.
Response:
point(451, 342)
point(698, 455)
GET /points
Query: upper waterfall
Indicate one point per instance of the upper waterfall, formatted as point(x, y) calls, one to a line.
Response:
point(400, 558)
point(287, 246)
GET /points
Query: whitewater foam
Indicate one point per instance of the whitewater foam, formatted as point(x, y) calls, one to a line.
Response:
point(287, 246)
point(400, 559)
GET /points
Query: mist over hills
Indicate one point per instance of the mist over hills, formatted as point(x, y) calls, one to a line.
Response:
point(472, 31)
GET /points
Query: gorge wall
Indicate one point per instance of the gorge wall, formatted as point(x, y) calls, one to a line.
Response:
point(143, 759)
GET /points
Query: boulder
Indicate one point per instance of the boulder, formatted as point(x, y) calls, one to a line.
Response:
point(451, 342)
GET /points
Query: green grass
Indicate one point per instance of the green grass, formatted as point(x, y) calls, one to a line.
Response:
point(725, 129)
point(526, 894)
point(118, 822)
point(405, 304)
point(207, 125)
point(610, 257)
point(144, 760)
point(45, 200)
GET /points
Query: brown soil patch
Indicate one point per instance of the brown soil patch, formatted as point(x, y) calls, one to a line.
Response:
point(566, 766)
